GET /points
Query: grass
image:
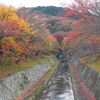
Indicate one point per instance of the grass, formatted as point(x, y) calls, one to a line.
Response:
point(95, 65)
point(92, 61)
point(9, 70)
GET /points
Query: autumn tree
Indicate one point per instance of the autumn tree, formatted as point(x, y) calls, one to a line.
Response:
point(86, 27)
point(87, 8)
point(59, 37)
point(15, 35)
point(19, 39)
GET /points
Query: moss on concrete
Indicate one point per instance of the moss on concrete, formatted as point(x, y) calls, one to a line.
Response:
point(9, 70)
point(42, 85)
point(92, 62)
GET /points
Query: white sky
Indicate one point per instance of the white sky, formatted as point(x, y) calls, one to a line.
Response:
point(34, 3)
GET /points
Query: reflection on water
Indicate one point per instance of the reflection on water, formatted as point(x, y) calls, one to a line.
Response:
point(60, 87)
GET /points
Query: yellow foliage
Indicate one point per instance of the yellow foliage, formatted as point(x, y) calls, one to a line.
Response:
point(7, 12)
point(25, 26)
point(7, 40)
point(10, 42)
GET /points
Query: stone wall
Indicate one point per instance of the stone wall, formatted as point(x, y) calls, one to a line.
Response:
point(91, 79)
point(12, 86)
point(87, 77)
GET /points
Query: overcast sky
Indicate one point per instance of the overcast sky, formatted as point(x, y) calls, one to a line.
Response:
point(34, 3)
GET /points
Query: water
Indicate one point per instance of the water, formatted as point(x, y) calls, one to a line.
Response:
point(60, 87)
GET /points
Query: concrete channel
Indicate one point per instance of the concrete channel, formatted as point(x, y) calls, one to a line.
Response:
point(60, 86)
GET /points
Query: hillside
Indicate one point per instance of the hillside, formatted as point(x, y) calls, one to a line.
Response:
point(49, 10)
point(64, 42)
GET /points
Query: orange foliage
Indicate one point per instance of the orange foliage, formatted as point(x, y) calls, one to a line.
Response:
point(71, 35)
point(70, 12)
point(95, 39)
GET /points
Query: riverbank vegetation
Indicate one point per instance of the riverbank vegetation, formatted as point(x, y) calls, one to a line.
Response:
point(84, 39)
point(27, 33)
point(19, 40)
point(29, 63)
point(22, 43)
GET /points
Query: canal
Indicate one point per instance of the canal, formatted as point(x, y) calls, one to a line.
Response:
point(60, 86)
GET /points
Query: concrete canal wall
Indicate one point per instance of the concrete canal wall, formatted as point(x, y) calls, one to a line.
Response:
point(86, 81)
point(17, 86)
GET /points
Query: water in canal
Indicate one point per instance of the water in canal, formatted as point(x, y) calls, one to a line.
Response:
point(60, 86)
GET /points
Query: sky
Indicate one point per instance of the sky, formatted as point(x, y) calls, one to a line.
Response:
point(34, 3)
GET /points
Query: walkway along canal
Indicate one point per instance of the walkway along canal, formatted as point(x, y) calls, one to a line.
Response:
point(60, 86)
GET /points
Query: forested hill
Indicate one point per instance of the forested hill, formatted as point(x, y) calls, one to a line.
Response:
point(49, 10)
